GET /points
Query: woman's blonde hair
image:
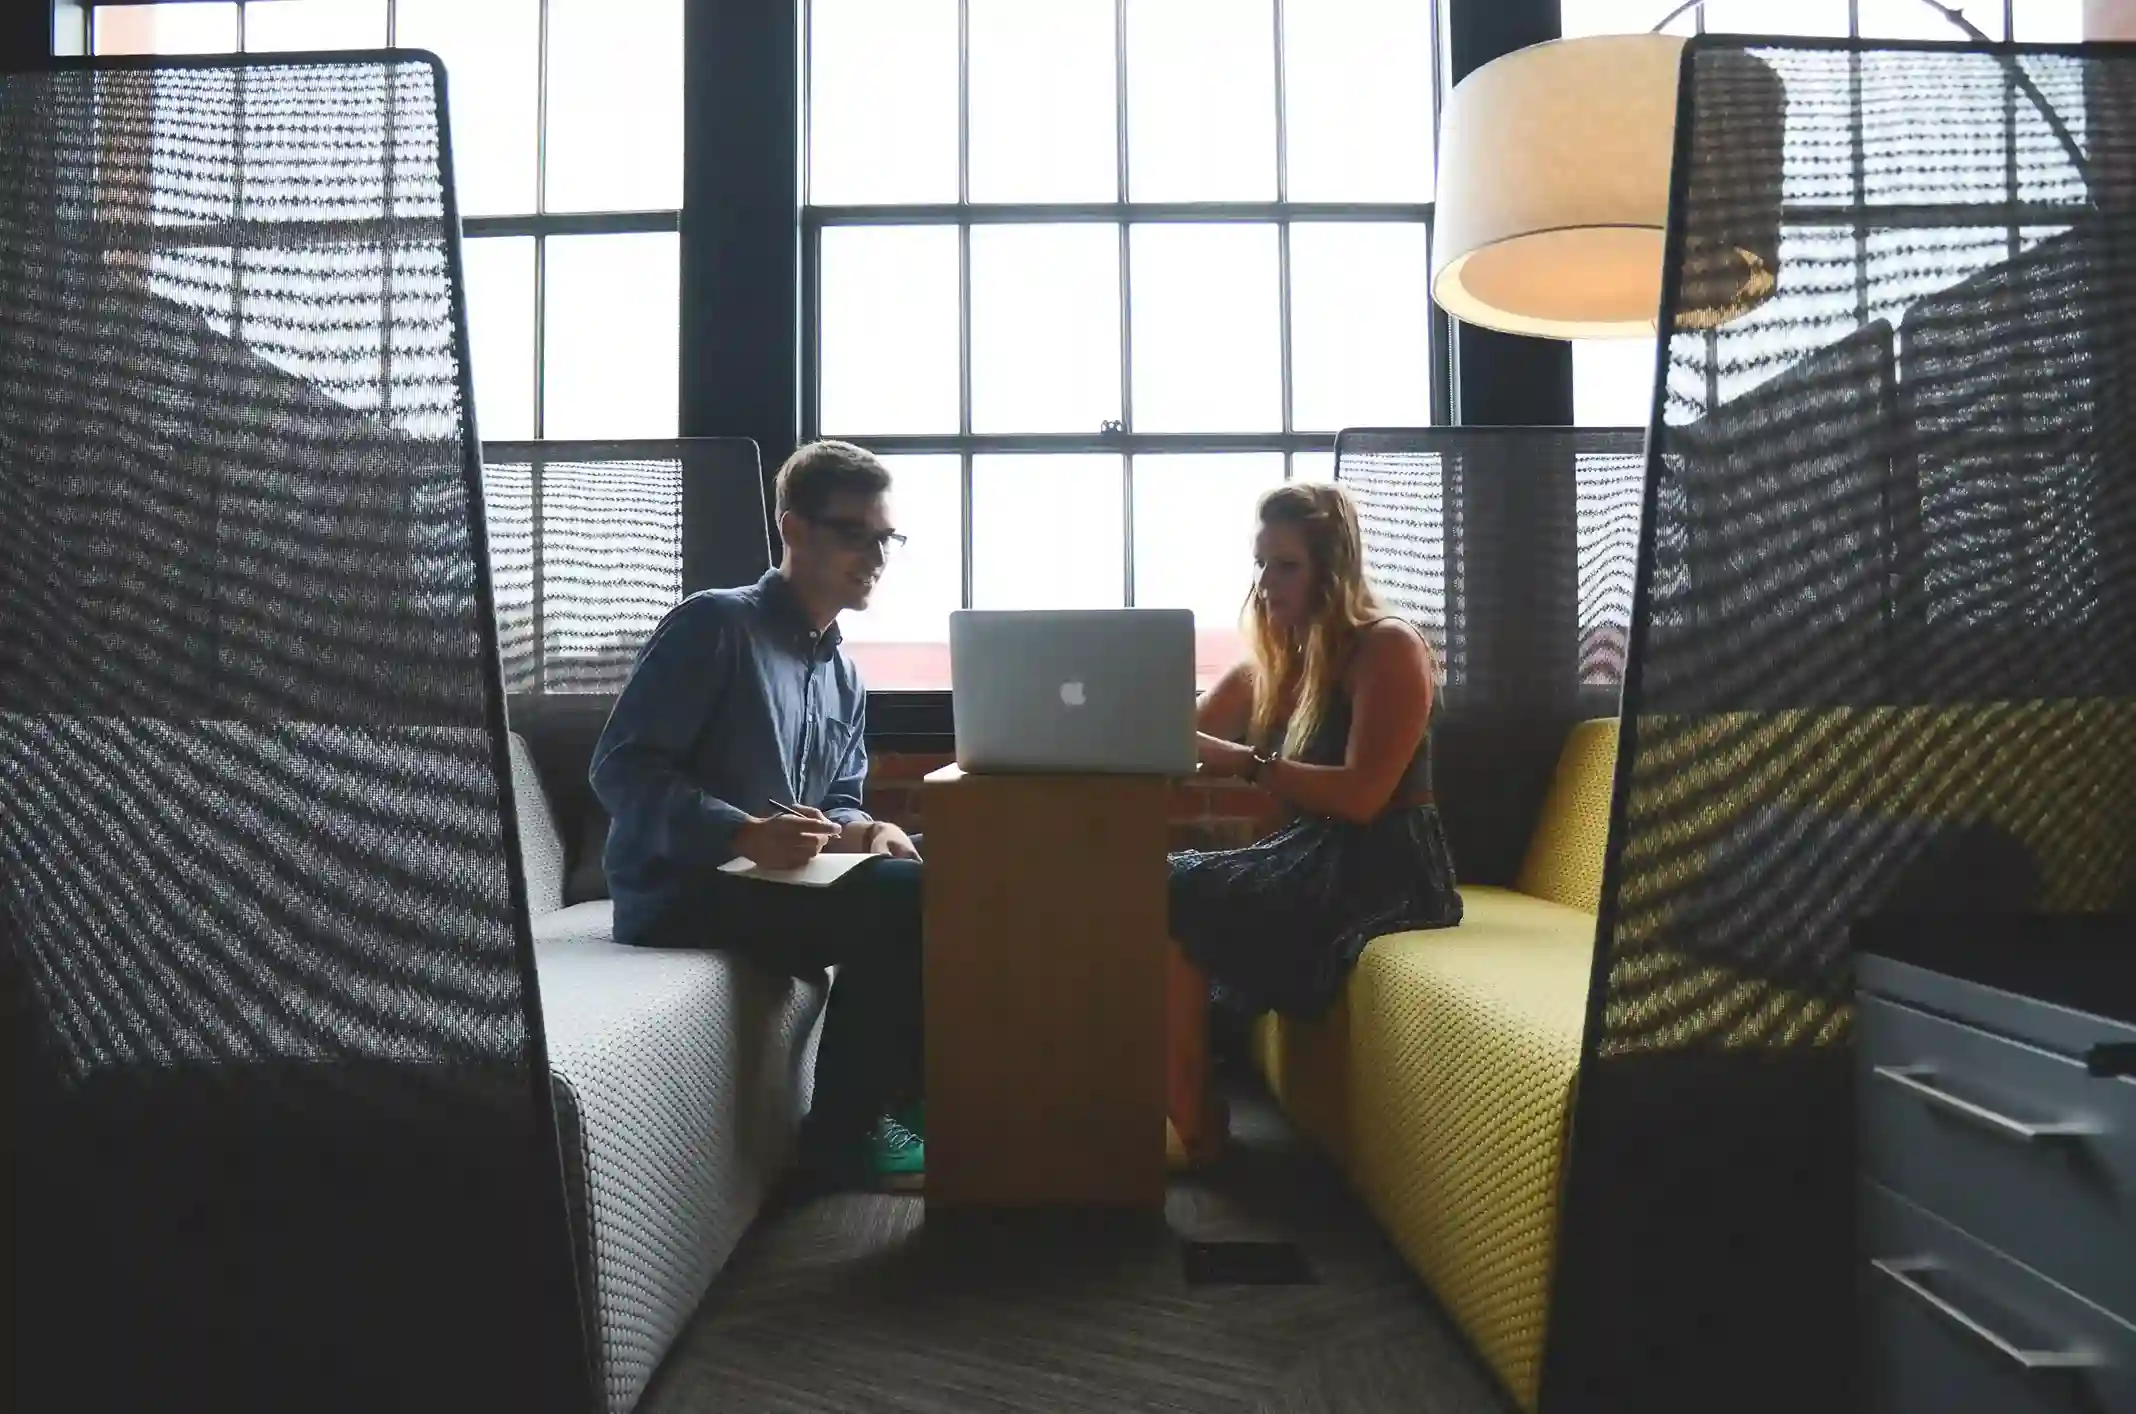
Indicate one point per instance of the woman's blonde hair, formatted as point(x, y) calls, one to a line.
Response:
point(1299, 670)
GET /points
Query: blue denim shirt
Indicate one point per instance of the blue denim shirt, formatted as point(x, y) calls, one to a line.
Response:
point(735, 700)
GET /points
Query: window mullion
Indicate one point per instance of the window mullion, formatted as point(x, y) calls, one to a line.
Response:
point(1283, 228)
point(1127, 313)
point(965, 509)
point(964, 526)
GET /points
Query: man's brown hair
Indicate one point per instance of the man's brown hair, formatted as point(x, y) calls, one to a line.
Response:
point(820, 471)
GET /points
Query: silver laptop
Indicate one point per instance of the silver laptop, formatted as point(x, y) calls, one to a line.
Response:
point(1106, 691)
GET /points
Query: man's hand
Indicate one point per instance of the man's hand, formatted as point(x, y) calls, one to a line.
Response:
point(886, 838)
point(785, 841)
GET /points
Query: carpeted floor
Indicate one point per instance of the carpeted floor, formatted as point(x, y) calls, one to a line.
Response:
point(856, 1303)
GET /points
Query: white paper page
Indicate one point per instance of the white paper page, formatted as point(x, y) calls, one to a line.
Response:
point(824, 869)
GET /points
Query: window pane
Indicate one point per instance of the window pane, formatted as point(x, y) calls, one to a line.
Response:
point(1206, 329)
point(1910, 19)
point(1201, 100)
point(1360, 326)
point(70, 29)
point(889, 329)
point(1047, 532)
point(1358, 82)
point(499, 271)
point(176, 28)
point(1312, 466)
point(2048, 21)
point(491, 50)
point(615, 105)
point(1806, 18)
point(1045, 328)
point(1042, 104)
point(902, 641)
point(288, 26)
point(609, 328)
point(1612, 382)
point(1194, 527)
point(1580, 17)
point(882, 101)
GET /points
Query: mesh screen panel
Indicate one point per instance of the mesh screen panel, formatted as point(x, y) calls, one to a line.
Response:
point(287, 1087)
point(1884, 660)
point(1514, 547)
point(592, 542)
point(1453, 518)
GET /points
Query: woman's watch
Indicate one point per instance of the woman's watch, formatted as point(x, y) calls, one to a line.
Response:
point(1261, 761)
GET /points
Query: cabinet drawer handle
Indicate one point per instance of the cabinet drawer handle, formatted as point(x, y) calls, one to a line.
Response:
point(1905, 1272)
point(1916, 1079)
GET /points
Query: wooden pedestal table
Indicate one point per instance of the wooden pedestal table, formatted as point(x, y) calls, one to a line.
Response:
point(1046, 923)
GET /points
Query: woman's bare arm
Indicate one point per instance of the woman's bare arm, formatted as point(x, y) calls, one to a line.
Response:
point(1226, 710)
point(1390, 706)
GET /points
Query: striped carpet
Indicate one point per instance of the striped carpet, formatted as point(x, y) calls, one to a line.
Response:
point(856, 1303)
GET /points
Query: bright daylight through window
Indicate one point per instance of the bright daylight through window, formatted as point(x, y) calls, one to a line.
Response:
point(567, 142)
point(1613, 379)
point(1092, 275)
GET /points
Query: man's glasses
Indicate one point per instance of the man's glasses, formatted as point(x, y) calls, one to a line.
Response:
point(859, 535)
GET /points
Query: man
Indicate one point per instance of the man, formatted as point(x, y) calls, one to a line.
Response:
point(742, 703)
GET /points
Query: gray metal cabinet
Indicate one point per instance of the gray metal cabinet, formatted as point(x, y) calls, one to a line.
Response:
point(1997, 1221)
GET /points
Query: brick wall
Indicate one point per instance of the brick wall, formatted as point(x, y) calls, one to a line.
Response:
point(1205, 815)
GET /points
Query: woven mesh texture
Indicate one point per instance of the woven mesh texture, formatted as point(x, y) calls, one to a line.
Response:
point(609, 541)
point(1566, 854)
point(246, 660)
point(689, 1072)
point(1899, 483)
point(253, 859)
point(1514, 548)
point(1886, 658)
point(1465, 1043)
point(591, 543)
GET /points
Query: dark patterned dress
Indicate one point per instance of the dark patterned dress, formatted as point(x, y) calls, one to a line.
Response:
point(1278, 924)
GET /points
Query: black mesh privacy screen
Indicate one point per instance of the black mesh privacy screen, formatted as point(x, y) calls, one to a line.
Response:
point(1883, 660)
point(286, 1120)
point(1514, 548)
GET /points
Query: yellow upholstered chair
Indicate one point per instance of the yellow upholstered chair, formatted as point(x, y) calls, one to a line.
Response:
point(1442, 1081)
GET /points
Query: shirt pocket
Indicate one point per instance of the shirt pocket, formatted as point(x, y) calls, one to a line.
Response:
point(837, 738)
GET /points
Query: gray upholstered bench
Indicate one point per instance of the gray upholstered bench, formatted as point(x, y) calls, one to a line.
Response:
point(680, 1081)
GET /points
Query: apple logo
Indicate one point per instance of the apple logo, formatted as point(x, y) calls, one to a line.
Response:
point(1072, 694)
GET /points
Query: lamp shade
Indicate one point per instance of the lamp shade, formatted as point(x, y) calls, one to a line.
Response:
point(1553, 199)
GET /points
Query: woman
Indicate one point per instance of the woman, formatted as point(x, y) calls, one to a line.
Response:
point(1331, 714)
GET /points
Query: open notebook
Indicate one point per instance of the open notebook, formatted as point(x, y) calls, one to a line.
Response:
point(823, 870)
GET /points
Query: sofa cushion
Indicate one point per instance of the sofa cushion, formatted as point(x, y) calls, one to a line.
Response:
point(1565, 854)
point(577, 923)
point(1464, 1046)
point(680, 1080)
point(541, 848)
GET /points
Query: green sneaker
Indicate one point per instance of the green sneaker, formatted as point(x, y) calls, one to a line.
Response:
point(898, 1153)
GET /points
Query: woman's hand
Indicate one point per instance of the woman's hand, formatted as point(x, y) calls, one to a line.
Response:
point(1219, 757)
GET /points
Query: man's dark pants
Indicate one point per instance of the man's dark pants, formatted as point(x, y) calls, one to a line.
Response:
point(867, 925)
